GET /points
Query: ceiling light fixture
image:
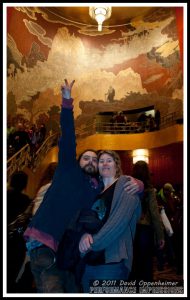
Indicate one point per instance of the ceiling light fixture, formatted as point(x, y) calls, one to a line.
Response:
point(100, 14)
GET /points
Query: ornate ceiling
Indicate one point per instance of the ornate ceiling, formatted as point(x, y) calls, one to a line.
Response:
point(120, 15)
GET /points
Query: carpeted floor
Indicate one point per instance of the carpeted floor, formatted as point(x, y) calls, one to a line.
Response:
point(168, 273)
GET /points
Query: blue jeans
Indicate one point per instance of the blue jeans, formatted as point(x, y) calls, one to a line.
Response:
point(113, 271)
point(48, 278)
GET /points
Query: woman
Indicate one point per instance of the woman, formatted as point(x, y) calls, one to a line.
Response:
point(149, 230)
point(120, 212)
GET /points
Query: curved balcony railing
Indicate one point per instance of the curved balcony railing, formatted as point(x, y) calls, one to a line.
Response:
point(126, 128)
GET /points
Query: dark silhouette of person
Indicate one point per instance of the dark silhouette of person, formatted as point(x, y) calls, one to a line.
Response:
point(149, 232)
point(121, 121)
point(20, 138)
point(142, 118)
point(42, 133)
point(173, 207)
point(17, 201)
point(19, 207)
point(157, 119)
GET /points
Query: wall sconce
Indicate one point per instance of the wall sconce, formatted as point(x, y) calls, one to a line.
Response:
point(140, 154)
point(100, 14)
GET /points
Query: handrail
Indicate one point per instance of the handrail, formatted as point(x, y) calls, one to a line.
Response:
point(169, 119)
point(126, 128)
point(86, 130)
point(117, 128)
point(40, 154)
point(18, 161)
point(23, 157)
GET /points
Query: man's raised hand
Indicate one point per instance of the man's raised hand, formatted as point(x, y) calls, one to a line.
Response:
point(66, 89)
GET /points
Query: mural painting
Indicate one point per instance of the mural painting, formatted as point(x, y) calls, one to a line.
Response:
point(141, 60)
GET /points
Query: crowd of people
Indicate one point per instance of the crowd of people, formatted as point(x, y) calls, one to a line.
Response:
point(88, 221)
point(22, 134)
point(119, 123)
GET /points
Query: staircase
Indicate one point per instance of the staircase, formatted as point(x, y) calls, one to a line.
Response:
point(23, 157)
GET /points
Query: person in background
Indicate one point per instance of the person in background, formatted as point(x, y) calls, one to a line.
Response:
point(112, 123)
point(17, 200)
point(44, 184)
point(157, 119)
point(169, 203)
point(25, 278)
point(74, 187)
point(142, 119)
point(150, 123)
point(120, 212)
point(42, 133)
point(19, 207)
point(10, 131)
point(149, 232)
point(20, 138)
point(165, 198)
point(120, 122)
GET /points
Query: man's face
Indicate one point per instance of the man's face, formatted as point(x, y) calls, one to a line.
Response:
point(89, 162)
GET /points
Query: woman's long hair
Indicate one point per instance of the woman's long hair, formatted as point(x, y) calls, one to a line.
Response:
point(141, 172)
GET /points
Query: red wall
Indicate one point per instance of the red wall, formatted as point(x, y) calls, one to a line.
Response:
point(179, 23)
point(165, 163)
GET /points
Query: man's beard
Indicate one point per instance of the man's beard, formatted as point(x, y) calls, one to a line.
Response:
point(90, 170)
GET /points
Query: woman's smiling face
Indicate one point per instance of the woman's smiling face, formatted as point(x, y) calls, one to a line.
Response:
point(106, 166)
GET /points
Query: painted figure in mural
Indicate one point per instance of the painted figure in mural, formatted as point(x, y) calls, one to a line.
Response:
point(110, 94)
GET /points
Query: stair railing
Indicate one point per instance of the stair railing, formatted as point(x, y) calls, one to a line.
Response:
point(25, 158)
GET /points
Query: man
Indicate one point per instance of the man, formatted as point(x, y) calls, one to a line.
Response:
point(74, 187)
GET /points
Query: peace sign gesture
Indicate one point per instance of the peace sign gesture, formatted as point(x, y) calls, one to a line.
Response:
point(66, 89)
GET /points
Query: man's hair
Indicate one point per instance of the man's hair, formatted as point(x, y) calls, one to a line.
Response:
point(115, 157)
point(81, 154)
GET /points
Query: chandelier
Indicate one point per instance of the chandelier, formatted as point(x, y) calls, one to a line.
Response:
point(100, 14)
